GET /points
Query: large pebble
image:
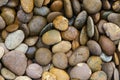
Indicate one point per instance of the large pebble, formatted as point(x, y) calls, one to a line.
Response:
point(49, 75)
point(16, 61)
point(107, 45)
point(14, 39)
point(2, 51)
point(95, 63)
point(60, 23)
point(27, 5)
point(92, 6)
point(51, 37)
point(43, 56)
point(23, 78)
point(90, 27)
point(114, 18)
point(36, 24)
point(2, 23)
point(70, 34)
point(112, 31)
point(81, 71)
point(60, 74)
point(60, 60)
point(94, 47)
point(59, 47)
point(7, 74)
point(3, 2)
point(80, 19)
point(81, 54)
point(22, 47)
point(99, 75)
point(34, 71)
point(38, 3)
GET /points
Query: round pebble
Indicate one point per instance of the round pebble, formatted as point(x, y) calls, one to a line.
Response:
point(59, 47)
point(60, 60)
point(23, 78)
point(95, 63)
point(81, 54)
point(43, 56)
point(81, 67)
point(34, 71)
point(51, 37)
point(92, 6)
point(2, 51)
point(60, 23)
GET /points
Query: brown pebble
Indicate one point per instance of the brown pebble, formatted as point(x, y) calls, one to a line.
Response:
point(75, 44)
point(4, 34)
point(12, 27)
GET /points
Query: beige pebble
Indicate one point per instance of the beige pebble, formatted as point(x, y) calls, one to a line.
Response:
point(48, 76)
point(23, 78)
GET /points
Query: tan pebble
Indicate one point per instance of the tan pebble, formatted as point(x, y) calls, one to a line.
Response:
point(31, 41)
point(48, 76)
point(75, 44)
point(116, 59)
point(27, 5)
point(4, 34)
point(96, 17)
point(1, 78)
point(46, 2)
point(60, 23)
point(12, 27)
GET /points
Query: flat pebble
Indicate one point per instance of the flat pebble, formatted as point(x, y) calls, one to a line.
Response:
point(81, 54)
point(60, 23)
point(31, 41)
point(22, 47)
point(105, 57)
point(59, 47)
point(23, 78)
point(7, 74)
point(43, 56)
point(92, 6)
point(16, 61)
point(81, 67)
point(34, 71)
point(48, 75)
point(51, 37)
point(1, 52)
point(60, 60)
point(14, 39)
point(95, 63)
point(98, 75)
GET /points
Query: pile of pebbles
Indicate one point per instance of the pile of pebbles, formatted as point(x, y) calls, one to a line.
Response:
point(59, 39)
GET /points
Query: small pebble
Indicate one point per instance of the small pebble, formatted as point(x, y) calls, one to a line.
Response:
point(31, 41)
point(116, 6)
point(12, 27)
point(2, 23)
point(105, 57)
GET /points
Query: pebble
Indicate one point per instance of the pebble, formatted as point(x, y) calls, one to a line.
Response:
point(3, 2)
point(4, 47)
point(70, 34)
point(83, 36)
point(52, 15)
point(22, 47)
point(14, 39)
point(116, 6)
point(43, 56)
point(42, 11)
point(46, 2)
point(105, 57)
point(107, 45)
point(25, 29)
point(114, 17)
point(1, 78)
point(60, 23)
point(108, 69)
point(36, 24)
point(81, 54)
point(31, 41)
point(38, 3)
point(2, 23)
point(112, 31)
point(8, 15)
point(24, 17)
point(16, 61)
point(106, 4)
point(34, 71)
point(96, 17)
point(2, 51)
point(60, 60)
point(31, 52)
point(48, 76)
point(27, 5)
point(81, 67)
point(116, 74)
point(75, 44)
point(96, 34)
point(90, 27)
point(105, 14)
point(56, 5)
point(80, 20)
point(60, 74)
point(119, 46)
point(51, 37)
point(13, 3)
point(68, 8)
point(92, 6)
point(98, 75)
point(23, 78)
point(94, 47)
point(7, 74)
point(12, 27)
point(116, 58)
point(95, 63)
point(59, 47)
